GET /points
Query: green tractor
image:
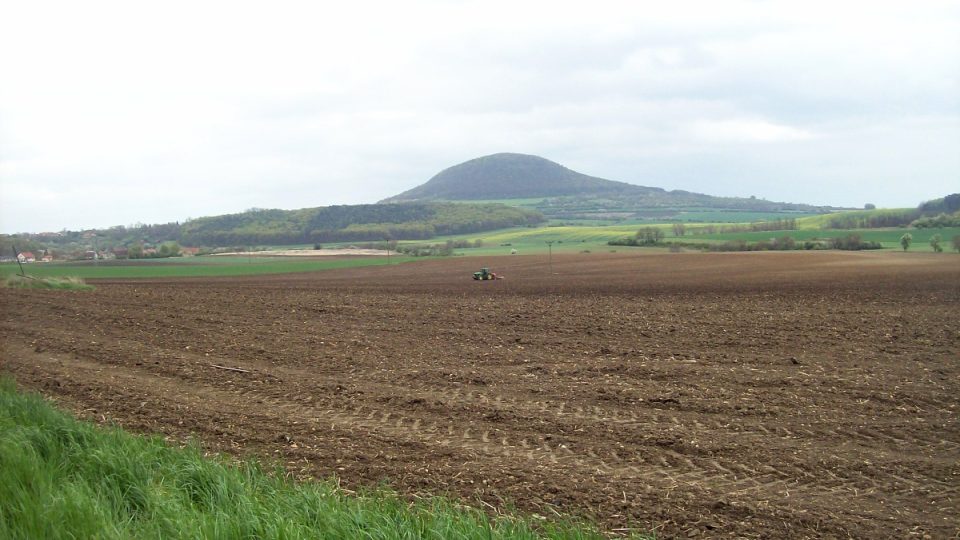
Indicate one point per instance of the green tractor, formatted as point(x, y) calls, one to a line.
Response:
point(485, 274)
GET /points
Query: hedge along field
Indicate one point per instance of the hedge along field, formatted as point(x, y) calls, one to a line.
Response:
point(890, 238)
point(692, 218)
point(822, 221)
point(62, 478)
point(567, 239)
point(192, 267)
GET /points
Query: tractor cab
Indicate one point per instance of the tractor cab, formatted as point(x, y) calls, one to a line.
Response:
point(484, 274)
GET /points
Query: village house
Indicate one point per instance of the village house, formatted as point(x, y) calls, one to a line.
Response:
point(27, 257)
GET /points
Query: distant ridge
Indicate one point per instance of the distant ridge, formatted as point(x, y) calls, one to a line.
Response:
point(511, 176)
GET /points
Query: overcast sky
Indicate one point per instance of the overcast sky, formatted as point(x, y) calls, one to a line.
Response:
point(113, 113)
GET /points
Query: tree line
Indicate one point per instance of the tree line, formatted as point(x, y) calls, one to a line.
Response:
point(354, 223)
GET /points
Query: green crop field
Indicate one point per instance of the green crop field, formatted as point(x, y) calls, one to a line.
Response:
point(529, 202)
point(573, 239)
point(823, 220)
point(61, 478)
point(685, 214)
point(723, 216)
point(191, 267)
point(527, 240)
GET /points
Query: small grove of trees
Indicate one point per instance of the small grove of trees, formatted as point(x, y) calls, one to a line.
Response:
point(906, 240)
point(938, 221)
point(935, 243)
point(784, 243)
point(873, 219)
point(425, 250)
point(789, 224)
point(948, 204)
point(759, 226)
point(166, 249)
point(850, 242)
point(647, 236)
point(8, 242)
point(679, 229)
point(853, 242)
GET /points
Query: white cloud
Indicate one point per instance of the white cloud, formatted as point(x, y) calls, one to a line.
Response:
point(159, 112)
point(746, 131)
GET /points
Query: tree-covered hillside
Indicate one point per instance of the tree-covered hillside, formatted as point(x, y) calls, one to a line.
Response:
point(260, 227)
point(509, 176)
point(363, 222)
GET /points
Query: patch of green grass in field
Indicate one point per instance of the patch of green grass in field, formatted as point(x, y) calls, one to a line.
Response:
point(593, 222)
point(575, 239)
point(61, 478)
point(823, 220)
point(528, 240)
point(68, 283)
point(528, 202)
point(566, 234)
point(815, 222)
point(566, 239)
point(194, 267)
point(720, 216)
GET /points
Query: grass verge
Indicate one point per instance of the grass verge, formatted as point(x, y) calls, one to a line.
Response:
point(71, 283)
point(62, 478)
point(197, 267)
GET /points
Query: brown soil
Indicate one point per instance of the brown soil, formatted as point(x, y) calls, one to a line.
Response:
point(757, 394)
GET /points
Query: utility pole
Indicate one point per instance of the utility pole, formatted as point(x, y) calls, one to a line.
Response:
point(16, 255)
point(550, 254)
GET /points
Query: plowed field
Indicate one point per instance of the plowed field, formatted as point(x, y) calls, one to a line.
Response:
point(756, 394)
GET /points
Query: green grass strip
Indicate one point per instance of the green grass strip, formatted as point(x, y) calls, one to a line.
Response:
point(194, 267)
point(67, 283)
point(62, 478)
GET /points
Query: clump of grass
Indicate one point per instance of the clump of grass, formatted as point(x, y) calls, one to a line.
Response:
point(61, 478)
point(69, 283)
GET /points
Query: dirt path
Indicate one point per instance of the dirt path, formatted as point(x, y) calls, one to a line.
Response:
point(758, 395)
